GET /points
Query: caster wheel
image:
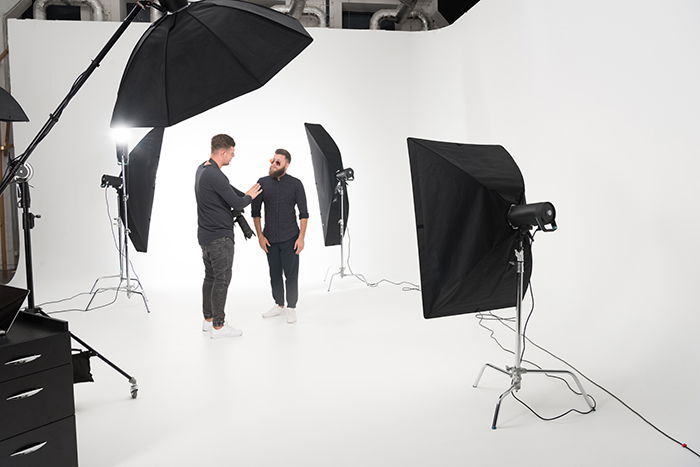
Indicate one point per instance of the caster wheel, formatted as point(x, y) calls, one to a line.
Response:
point(134, 393)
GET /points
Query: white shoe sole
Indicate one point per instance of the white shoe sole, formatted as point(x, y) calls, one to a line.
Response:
point(214, 335)
point(267, 314)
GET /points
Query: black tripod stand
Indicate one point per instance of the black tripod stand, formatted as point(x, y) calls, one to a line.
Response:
point(24, 200)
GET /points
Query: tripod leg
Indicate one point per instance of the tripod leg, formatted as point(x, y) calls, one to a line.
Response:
point(92, 298)
point(498, 404)
point(331, 281)
point(478, 378)
point(145, 300)
point(92, 289)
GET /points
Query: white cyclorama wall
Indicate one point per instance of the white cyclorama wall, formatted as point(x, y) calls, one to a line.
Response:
point(597, 102)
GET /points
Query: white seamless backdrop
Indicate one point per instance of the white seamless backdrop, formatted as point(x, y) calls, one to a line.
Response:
point(597, 102)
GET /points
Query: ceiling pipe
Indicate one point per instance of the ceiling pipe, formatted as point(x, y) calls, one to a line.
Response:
point(40, 7)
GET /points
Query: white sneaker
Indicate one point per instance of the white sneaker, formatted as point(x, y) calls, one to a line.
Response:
point(225, 331)
point(272, 312)
point(291, 315)
point(207, 326)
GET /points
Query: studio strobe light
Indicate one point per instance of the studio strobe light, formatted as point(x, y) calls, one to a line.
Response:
point(332, 188)
point(135, 187)
point(474, 245)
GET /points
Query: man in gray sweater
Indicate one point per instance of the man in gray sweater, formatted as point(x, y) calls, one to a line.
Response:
point(216, 201)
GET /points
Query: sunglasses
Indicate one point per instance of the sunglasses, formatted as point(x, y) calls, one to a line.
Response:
point(275, 162)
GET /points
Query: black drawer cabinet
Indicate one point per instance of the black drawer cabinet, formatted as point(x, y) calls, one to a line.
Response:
point(37, 423)
point(52, 445)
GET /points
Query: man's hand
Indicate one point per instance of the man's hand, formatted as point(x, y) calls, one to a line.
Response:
point(264, 244)
point(299, 245)
point(254, 191)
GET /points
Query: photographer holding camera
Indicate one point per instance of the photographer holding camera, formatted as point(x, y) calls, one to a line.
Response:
point(218, 204)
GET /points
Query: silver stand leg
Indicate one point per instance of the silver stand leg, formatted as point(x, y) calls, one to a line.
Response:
point(516, 372)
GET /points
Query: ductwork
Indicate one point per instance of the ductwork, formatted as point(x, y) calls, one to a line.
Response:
point(307, 10)
point(296, 8)
point(95, 5)
point(400, 15)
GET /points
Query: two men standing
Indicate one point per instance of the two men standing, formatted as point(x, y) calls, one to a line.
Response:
point(281, 238)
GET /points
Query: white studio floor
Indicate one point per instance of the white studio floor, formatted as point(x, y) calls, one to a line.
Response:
point(361, 380)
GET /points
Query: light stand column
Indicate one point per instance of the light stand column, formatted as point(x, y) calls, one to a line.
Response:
point(340, 189)
point(123, 223)
point(516, 372)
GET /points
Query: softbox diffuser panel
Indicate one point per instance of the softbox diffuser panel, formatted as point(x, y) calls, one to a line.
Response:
point(140, 186)
point(326, 160)
point(461, 194)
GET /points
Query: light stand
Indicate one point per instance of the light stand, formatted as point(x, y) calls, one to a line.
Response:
point(24, 201)
point(343, 177)
point(515, 372)
point(133, 285)
point(22, 176)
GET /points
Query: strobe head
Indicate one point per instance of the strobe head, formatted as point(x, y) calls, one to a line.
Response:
point(526, 216)
point(345, 175)
point(113, 181)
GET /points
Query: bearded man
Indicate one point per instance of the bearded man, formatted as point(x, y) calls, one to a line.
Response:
point(282, 239)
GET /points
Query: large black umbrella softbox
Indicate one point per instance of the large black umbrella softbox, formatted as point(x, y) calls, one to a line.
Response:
point(201, 56)
point(140, 177)
point(327, 161)
point(462, 193)
point(10, 110)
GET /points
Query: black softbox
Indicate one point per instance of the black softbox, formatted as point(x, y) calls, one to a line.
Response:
point(327, 161)
point(140, 186)
point(10, 110)
point(461, 194)
point(203, 55)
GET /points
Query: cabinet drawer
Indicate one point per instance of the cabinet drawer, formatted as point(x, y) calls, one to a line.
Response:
point(51, 445)
point(35, 400)
point(24, 358)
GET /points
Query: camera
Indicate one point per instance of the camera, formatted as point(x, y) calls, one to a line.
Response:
point(242, 223)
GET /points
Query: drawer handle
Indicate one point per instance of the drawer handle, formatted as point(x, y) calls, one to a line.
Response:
point(24, 360)
point(25, 395)
point(29, 450)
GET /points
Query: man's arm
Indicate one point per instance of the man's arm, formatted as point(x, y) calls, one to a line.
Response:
point(262, 240)
point(228, 193)
point(303, 217)
point(255, 213)
point(299, 244)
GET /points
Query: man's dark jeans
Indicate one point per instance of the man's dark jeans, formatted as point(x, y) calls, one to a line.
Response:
point(282, 258)
point(218, 260)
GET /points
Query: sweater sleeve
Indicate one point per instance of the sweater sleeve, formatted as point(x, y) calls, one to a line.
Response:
point(228, 193)
point(301, 201)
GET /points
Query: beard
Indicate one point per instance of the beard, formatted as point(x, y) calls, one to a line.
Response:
point(276, 173)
